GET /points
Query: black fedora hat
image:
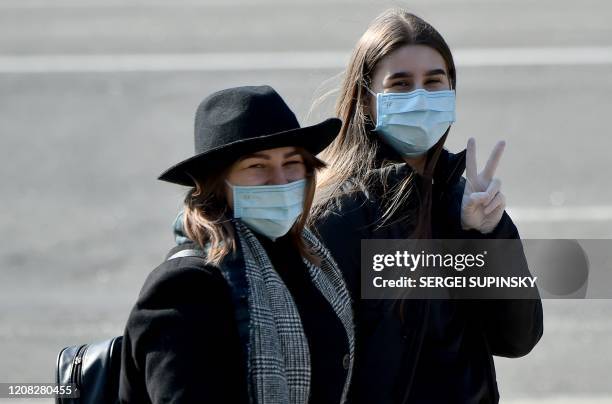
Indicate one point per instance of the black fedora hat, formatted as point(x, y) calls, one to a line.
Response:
point(237, 121)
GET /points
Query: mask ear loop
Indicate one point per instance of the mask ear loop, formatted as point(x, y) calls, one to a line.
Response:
point(369, 90)
point(365, 85)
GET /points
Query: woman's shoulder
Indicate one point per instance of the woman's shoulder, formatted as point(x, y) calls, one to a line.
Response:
point(351, 206)
point(391, 172)
point(367, 193)
point(182, 280)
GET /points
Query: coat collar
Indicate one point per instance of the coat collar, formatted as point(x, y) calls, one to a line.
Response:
point(449, 168)
point(448, 171)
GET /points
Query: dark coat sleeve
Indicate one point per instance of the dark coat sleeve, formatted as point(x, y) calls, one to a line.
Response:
point(181, 342)
point(512, 326)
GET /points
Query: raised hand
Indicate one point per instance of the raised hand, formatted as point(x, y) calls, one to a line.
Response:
point(483, 203)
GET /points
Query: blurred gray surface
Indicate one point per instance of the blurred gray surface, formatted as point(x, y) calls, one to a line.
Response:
point(84, 220)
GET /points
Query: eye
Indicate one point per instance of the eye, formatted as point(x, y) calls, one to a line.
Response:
point(402, 84)
point(293, 163)
point(399, 87)
point(255, 165)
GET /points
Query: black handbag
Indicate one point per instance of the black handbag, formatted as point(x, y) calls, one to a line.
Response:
point(93, 369)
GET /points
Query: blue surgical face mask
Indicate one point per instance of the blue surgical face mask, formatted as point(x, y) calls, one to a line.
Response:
point(270, 210)
point(412, 123)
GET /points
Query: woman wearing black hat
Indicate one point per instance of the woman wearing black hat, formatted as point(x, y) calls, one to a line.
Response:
point(254, 310)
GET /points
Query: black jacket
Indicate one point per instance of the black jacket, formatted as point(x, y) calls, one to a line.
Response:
point(401, 361)
point(182, 344)
point(181, 341)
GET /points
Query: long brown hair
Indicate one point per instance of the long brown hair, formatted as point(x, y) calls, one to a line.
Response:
point(356, 152)
point(207, 214)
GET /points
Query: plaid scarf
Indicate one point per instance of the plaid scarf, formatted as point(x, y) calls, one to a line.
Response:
point(279, 359)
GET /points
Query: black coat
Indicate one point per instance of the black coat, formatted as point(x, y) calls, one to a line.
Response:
point(182, 344)
point(387, 365)
point(181, 341)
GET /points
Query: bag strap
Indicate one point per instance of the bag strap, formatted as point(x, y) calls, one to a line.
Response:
point(187, 253)
point(236, 280)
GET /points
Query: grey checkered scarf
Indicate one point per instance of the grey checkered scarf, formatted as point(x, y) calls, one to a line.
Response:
point(279, 359)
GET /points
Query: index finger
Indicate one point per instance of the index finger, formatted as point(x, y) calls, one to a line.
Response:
point(471, 170)
point(493, 161)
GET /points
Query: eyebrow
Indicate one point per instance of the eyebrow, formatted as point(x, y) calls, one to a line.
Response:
point(292, 153)
point(399, 75)
point(266, 157)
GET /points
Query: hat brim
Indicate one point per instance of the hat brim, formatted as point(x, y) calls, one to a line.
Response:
point(313, 138)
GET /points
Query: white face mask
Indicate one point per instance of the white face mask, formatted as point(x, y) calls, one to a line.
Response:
point(270, 210)
point(414, 122)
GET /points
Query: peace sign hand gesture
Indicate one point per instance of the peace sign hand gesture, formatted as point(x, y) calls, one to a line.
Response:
point(483, 204)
